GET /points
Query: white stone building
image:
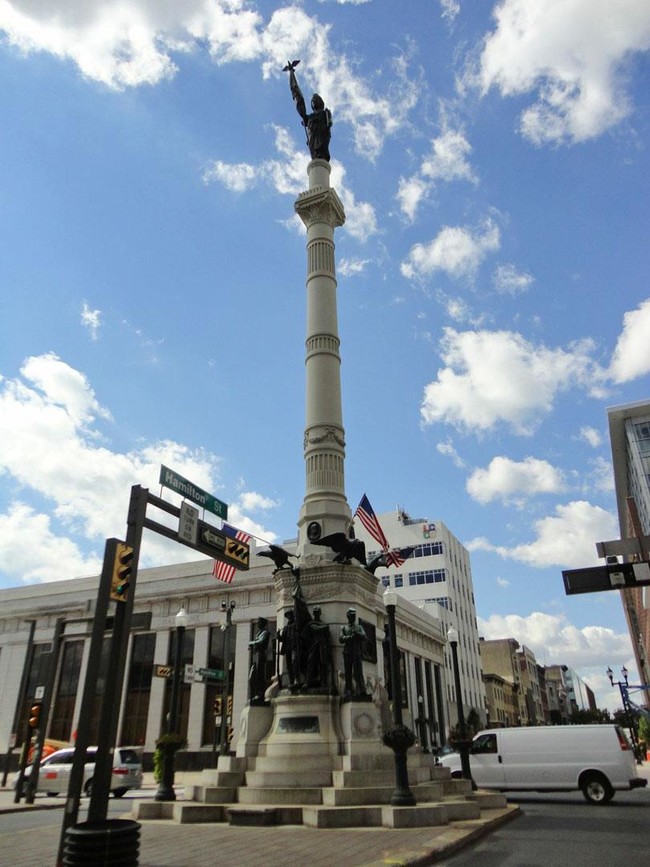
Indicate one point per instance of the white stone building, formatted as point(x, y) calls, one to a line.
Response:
point(160, 593)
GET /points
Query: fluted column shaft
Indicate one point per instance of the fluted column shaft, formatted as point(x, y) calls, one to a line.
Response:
point(325, 503)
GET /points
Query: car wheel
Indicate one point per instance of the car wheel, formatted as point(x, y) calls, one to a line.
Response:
point(596, 788)
point(119, 793)
point(88, 788)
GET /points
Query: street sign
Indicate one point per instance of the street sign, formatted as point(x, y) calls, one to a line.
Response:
point(212, 673)
point(163, 670)
point(170, 479)
point(188, 675)
point(611, 577)
point(216, 544)
point(188, 524)
point(39, 692)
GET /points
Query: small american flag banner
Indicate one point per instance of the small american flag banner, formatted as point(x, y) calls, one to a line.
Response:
point(398, 555)
point(224, 571)
point(369, 520)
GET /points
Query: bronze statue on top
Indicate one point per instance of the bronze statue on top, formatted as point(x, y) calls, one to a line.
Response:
point(318, 124)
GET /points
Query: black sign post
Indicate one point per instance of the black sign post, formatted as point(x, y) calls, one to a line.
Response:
point(613, 576)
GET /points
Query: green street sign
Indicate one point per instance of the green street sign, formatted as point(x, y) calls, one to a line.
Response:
point(170, 479)
point(212, 673)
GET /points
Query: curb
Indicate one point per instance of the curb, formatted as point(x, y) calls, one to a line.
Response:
point(450, 841)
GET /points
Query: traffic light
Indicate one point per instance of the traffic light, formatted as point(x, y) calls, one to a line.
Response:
point(122, 569)
point(217, 706)
point(34, 716)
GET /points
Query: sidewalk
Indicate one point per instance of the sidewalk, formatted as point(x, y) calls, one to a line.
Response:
point(167, 844)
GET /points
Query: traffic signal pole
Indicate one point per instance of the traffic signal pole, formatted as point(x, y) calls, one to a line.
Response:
point(20, 701)
point(53, 664)
point(110, 700)
point(109, 715)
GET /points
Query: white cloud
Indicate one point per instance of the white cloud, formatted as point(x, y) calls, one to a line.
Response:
point(591, 436)
point(411, 191)
point(493, 377)
point(556, 641)
point(450, 9)
point(350, 267)
point(600, 476)
point(505, 478)
point(448, 449)
point(287, 176)
point(49, 435)
point(572, 56)
point(62, 387)
point(31, 551)
point(632, 353)
point(446, 162)
point(90, 319)
point(252, 501)
point(237, 177)
point(456, 250)
point(139, 42)
point(566, 539)
point(508, 280)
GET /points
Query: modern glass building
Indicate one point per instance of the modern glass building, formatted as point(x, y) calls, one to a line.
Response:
point(629, 431)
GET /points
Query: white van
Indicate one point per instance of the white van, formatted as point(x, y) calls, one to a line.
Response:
point(597, 759)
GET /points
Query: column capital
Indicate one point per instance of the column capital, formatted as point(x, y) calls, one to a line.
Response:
point(320, 205)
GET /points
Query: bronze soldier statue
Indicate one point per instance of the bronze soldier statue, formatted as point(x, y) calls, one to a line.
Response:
point(318, 124)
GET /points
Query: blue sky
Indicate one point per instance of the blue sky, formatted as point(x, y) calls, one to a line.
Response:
point(493, 295)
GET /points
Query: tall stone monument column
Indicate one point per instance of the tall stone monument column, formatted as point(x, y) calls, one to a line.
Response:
point(325, 508)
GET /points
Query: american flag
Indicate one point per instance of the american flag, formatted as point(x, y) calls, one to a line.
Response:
point(224, 571)
point(398, 555)
point(369, 520)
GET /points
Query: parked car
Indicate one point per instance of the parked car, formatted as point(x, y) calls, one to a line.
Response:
point(54, 772)
point(596, 759)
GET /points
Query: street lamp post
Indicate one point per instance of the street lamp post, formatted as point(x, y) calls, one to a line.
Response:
point(223, 732)
point(463, 742)
point(165, 790)
point(400, 737)
point(623, 686)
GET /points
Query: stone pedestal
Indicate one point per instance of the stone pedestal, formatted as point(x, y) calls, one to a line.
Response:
point(303, 726)
point(255, 722)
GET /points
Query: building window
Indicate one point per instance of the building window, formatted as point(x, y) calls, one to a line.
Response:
point(431, 549)
point(63, 713)
point(213, 688)
point(428, 576)
point(136, 708)
point(184, 691)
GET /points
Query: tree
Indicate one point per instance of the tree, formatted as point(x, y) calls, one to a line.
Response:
point(589, 717)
